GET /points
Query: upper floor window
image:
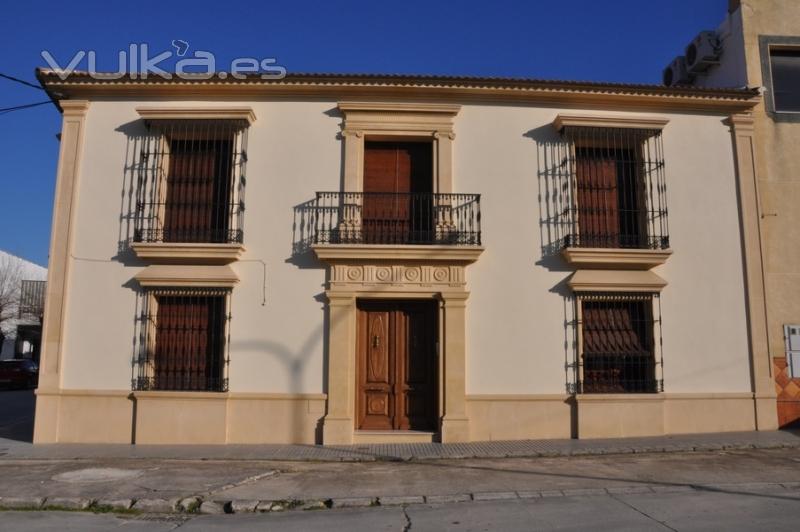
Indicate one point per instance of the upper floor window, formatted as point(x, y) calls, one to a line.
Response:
point(191, 184)
point(618, 195)
point(785, 71)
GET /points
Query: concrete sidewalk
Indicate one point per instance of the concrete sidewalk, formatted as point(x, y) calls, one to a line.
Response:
point(187, 479)
point(10, 449)
point(187, 486)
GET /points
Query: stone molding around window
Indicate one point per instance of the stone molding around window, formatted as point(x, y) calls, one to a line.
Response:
point(622, 259)
point(610, 121)
point(765, 43)
point(197, 113)
point(394, 121)
point(162, 275)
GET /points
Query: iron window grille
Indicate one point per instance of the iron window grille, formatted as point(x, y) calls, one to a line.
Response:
point(617, 198)
point(396, 218)
point(619, 343)
point(183, 340)
point(191, 181)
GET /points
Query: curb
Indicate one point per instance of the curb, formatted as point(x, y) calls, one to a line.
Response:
point(198, 506)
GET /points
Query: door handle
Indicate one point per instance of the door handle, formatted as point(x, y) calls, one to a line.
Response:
point(376, 341)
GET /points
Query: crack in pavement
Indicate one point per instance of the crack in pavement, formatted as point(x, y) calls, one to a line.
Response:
point(243, 482)
point(407, 526)
point(645, 514)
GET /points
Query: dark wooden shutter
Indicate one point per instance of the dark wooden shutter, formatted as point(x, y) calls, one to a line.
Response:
point(397, 185)
point(190, 342)
point(198, 191)
point(611, 210)
point(618, 347)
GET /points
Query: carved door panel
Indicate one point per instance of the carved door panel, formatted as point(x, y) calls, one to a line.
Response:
point(396, 366)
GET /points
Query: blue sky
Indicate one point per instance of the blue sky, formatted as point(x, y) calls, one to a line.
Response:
point(612, 40)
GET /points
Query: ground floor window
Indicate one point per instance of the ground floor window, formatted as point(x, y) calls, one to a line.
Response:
point(183, 340)
point(617, 347)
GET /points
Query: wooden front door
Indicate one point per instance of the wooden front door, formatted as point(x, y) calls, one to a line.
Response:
point(397, 365)
point(398, 181)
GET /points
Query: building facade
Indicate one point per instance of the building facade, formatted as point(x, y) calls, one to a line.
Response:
point(347, 259)
point(21, 307)
point(758, 45)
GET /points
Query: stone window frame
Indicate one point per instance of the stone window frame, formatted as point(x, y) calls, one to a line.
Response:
point(398, 121)
point(765, 44)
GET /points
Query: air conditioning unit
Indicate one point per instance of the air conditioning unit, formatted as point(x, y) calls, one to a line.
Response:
point(703, 52)
point(676, 73)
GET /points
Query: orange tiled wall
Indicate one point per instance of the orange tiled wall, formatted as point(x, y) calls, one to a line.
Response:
point(788, 393)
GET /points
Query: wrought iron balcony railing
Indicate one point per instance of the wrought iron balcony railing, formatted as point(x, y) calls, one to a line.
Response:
point(395, 218)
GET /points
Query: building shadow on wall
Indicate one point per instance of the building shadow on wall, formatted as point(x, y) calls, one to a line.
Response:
point(135, 170)
point(295, 363)
point(553, 175)
point(554, 193)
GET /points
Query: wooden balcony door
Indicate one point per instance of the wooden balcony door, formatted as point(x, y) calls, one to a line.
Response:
point(198, 191)
point(396, 365)
point(398, 181)
point(611, 212)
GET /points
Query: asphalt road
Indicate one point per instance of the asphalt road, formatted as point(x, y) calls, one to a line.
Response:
point(640, 512)
point(16, 414)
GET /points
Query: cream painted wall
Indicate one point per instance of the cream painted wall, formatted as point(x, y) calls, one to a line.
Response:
point(516, 312)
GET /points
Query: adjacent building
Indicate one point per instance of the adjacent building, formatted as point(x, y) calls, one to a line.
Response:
point(21, 307)
point(758, 45)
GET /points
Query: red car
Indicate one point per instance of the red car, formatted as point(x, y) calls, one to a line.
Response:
point(19, 373)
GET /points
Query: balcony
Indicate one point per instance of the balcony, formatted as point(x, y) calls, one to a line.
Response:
point(190, 232)
point(395, 219)
point(31, 299)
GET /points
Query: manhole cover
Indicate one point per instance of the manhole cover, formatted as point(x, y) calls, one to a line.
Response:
point(98, 474)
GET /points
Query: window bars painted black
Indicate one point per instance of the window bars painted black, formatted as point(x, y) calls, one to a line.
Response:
point(31, 298)
point(618, 194)
point(190, 186)
point(618, 338)
point(396, 218)
point(183, 340)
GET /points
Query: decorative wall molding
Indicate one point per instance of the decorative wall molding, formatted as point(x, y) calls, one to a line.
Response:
point(162, 275)
point(644, 122)
point(615, 281)
point(411, 276)
point(197, 113)
point(617, 259)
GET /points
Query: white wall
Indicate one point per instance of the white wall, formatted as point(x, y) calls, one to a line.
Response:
point(516, 312)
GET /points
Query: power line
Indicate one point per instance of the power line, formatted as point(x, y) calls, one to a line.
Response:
point(12, 78)
point(21, 107)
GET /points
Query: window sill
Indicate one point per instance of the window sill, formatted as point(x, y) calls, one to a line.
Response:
point(187, 253)
point(166, 394)
point(616, 259)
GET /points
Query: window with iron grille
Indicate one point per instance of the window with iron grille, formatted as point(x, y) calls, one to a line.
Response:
point(183, 340)
point(618, 196)
point(618, 334)
point(191, 181)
